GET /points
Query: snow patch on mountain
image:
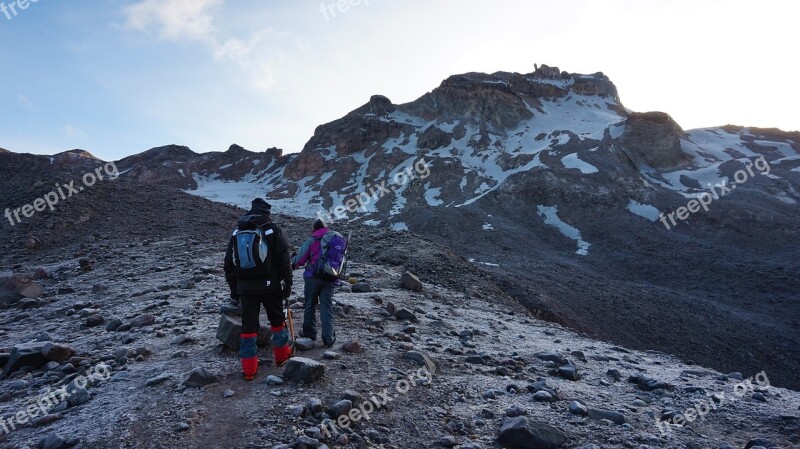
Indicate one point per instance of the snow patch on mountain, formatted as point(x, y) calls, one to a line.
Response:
point(644, 210)
point(550, 216)
point(573, 161)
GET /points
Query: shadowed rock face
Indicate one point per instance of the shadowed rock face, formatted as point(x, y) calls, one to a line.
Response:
point(653, 139)
point(175, 165)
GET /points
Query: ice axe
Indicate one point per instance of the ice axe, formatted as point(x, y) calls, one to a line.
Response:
point(289, 320)
point(343, 269)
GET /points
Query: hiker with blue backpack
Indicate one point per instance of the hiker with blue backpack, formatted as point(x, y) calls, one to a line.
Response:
point(323, 256)
point(256, 263)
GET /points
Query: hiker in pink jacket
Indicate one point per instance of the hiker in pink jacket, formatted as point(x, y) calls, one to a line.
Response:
point(316, 288)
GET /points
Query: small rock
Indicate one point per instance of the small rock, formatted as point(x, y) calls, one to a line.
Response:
point(78, 397)
point(521, 433)
point(352, 346)
point(273, 381)
point(411, 282)
point(330, 355)
point(54, 352)
point(759, 442)
point(341, 408)
point(551, 357)
point(569, 372)
point(576, 408)
point(304, 344)
point(615, 417)
point(361, 287)
point(142, 321)
point(44, 336)
point(648, 384)
point(228, 393)
point(447, 441)
point(158, 380)
point(404, 314)
point(94, 321)
point(513, 412)
point(543, 396)
point(391, 308)
point(200, 377)
point(53, 442)
point(114, 324)
point(422, 360)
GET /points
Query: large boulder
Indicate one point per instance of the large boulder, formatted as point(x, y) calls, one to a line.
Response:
point(522, 433)
point(653, 139)
point(17, 287)
point(303, 370)
point(411, 282)
point(230, 328)
point(25, 354)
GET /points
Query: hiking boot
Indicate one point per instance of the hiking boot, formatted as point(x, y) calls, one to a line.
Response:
point(302, 335)
point(250, 368)
point(288, 353)
point(330, 345)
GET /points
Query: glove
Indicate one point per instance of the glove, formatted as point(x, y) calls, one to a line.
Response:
point(287, 291)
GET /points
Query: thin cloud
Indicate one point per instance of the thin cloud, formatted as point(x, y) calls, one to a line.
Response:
point(25, 102)
point(173, 20)
point(74, 133)
point(193, 20)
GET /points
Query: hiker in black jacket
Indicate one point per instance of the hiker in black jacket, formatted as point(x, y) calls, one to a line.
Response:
point(263, 288)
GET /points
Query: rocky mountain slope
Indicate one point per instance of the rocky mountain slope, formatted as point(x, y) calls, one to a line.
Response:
point(581, 209)
point(126, 321)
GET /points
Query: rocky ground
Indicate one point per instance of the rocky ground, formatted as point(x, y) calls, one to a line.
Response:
point(145, 311)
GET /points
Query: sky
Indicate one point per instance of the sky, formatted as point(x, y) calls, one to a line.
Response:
point(118, 77)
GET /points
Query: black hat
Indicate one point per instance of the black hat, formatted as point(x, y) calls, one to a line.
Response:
point(261, 204)
point(319, 224)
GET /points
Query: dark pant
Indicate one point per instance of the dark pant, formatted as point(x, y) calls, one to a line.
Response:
point(322, 291)
point(251, 308)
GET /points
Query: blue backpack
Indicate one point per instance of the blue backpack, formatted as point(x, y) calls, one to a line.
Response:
point(251, 257)
point(333, 247)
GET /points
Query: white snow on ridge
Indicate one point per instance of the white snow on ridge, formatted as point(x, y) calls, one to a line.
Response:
point(550, 216)
point(241, 194)
point(558, 83)
point(573, 161)
point(399, 227)
point(644, 210)
point(432, 195)
point(488, 264)
point(783, 147)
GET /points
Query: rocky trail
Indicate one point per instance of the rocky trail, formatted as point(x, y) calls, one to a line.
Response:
point(457, 364)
